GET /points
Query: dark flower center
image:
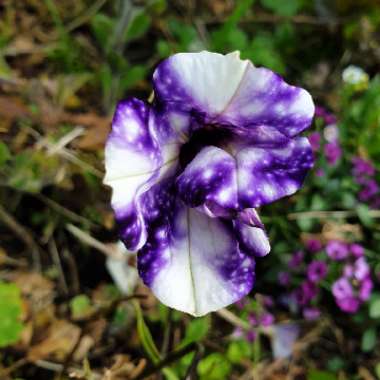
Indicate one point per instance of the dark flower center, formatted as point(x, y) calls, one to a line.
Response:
point(209, 135)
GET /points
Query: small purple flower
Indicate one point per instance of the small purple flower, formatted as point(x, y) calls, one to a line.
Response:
point(336, 250)
point(267, 319)
point(252, 319)
point(365, 289)
point(348, 271)
point(251, 336)
point(305, 293)
point(221, 138)
point(330, 119)
point(238, 333)
point(313, 245)
point(296, 260)
point(370, 189)
point(342, 288)
point(241, 304)
point(361, 269)
point(284, 278)
point(311, 313)
point(315, 141)
point(327, 116)
point(356, 250)
point(268, 301)
point(349, 304)
point(333, 152)
point(363, 167)
point(316, 271)
point(320, 111)
point(375, 203)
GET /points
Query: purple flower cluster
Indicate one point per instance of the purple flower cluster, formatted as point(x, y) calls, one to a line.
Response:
point(350, 290)
point(304, 297)
point(329, 140)
point(364, 175)
point(355, 285)
point(258, 316)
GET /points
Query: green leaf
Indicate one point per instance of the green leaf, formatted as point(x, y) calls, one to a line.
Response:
point(163, 48)
point(80, 305)
point(229, 36)
point(369, 339)
point(263, 51)
point(318, 203)
point(10, 313)
point(102, 27)
point(145, 336)
point(335, 364)
point(377, 370)
point(196, 330)
point(241, 8)
point(374, 306)
point(320, 375)
point(133, 75)
point(138, 26)
point(214, 367)
point(283, 7)
point(5, 154)
point(363, 215)
point(238, 350)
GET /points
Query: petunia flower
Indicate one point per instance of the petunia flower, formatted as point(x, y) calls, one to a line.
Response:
point(296, 260)
point(220, 139)
point(337, 250)
point(342, 288)
point(357, 250)
point(316, 271)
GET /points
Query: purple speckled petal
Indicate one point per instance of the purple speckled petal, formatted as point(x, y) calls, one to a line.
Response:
point(210, 181)
point(135, 159)
point(227, 90)
point(251, 234)
point(267, 174)
point(190, 261)
point(204, 82)
point(263, 98)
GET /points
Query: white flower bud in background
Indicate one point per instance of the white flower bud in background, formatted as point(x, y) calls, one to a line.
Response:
point(331, 133)
point(355, 76)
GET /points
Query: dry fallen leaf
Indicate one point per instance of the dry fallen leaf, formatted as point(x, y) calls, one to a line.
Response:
point(123, 368)
point(61, 338)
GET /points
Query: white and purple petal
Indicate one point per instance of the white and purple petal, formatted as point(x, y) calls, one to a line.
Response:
point(204, 82)
point(251, 234)
point(210, 181)
point(193, 263)
point(267, 174)
point(227, 90)
point(136, 157)
point(264, 99)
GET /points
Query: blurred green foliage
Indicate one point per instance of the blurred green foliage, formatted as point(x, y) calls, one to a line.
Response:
point(10, 314)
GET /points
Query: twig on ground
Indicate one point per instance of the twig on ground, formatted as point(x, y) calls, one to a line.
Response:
point(63, 210)
point(65, 140)
point(23, 234)
point(233, 319)
point(75, 282)
point(94, 243)
point(43, 142)
point(57, 262)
